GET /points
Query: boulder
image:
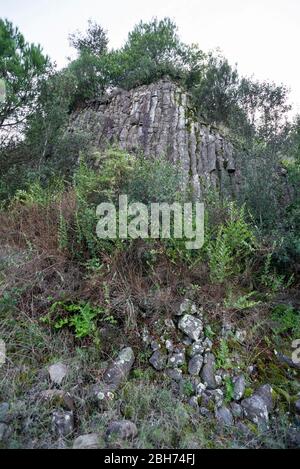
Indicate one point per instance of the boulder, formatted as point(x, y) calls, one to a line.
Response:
point(191, 326)
point(224, 417)
point(123, 430)
point(87, 442)
point(57, 373)
point(195, 365)
point(176, 360)
point(119, 370)
point(208, 371)
point(256, 410)
point(63, 423)
point(239, 388)
point(158, 361)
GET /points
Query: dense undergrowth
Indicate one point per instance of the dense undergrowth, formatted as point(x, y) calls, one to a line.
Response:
point(67, 295)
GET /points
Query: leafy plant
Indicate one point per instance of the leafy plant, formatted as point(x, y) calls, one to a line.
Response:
point(242, 302)
point(223, 355)
point(287, 320)
point(82, 318)
point(234, 243)
point(229, 389)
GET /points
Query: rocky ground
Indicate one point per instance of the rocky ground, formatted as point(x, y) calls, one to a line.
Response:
point(188, 387)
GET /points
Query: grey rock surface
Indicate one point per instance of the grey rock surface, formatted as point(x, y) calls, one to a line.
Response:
point(191, 326)
point(87, 442)
point(62, 423)
point(123, 430)
point(159, 119)
point(208, 371)
point(177, 360)
point(195, 365)
point(57, 373)
point(224, 417)
point(119, 370)
point(158, 361)
point(239, 388)
point(255, 410)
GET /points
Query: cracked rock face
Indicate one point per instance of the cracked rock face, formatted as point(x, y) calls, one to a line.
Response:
point(159, 119)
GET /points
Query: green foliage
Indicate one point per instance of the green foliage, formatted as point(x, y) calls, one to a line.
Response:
point(242, 302)
point(22, 65)
point(36, 194)
point(232, 247)
point(82, 318)
point(223, 356)
point(154, 180)
point(287, 320)
point(188, 388)
point(152, 51)
point(270, 277)
point(94, 41)
point(229, 390)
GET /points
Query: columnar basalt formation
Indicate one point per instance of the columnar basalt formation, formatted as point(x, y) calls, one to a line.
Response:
point(159, 119)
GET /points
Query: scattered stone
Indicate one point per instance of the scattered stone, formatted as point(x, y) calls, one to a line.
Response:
point(3, 431)
point(169, 323)
point(123, 429)
point(293, 438)
point(4, 412)
point(218, 397)
point(287, 360)
point(177, 360)
point(87, 442)
point(208, 345)
point(200, 388)
point(243, 429)
point(119, 370)
point(255, 410)
point(191, 326)
point(187, 307)
point(187, 341)
point(239, 388)
point(237, 410)
point(208, 371)
point(155, 346)
point(266, 393)
point(224, 417)
point(169, 346)
point(196, 349)
point(158, 361)
point(241, 335)
point(193, 402)
point(57, 373)
point(219, 380)
point(226, 328)
point(195, 365)
point(103, 393)
point(175, 374)
point(63, 423)
point(59, 397)
point(205, 412)
point(146, 336)
point(297, 407)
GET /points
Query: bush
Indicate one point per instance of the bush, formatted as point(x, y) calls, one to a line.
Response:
point(232, 247)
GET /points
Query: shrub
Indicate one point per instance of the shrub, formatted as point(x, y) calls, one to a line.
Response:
point(232, 247)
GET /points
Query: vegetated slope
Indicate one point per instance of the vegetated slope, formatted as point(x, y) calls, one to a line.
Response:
point(143, 343)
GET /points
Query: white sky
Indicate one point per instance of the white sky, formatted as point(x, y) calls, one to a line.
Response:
point(261, 36)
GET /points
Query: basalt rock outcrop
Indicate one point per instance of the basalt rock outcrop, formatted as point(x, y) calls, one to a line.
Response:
point(159, 119)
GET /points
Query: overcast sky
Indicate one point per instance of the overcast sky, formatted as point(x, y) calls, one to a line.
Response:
point(261, 36)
